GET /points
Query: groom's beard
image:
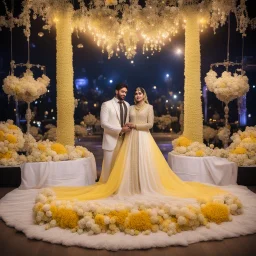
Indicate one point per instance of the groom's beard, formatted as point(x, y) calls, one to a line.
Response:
point(120, 97)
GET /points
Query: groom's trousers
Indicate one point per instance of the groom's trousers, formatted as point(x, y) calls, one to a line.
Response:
point(109, 158)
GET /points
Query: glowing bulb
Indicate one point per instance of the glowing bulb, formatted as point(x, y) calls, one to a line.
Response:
point(132, 61)
point(40, 34)
point(178, 51)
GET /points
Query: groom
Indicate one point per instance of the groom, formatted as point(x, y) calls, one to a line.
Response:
point(114, 115)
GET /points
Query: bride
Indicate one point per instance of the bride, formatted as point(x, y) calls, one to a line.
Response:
point(140, 168)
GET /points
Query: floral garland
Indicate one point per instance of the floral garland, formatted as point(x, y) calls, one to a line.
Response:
point(227, 87)
point(131, 218)
point(26, 88)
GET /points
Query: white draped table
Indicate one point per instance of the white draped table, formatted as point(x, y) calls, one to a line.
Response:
point(213, 170)
point(80, 172)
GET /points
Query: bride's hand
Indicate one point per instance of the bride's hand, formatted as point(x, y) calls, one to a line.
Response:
point(130, 125)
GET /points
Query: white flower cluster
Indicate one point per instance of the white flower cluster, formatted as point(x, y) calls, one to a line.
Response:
point(90, 119)
point(26, 88)
point(242, 150)
point(223, 134)
point(164, 120)
point(11, 137)
point(194, 149)
point(132, 218)
point(227, 87)
point(209, 133)
point(80, 131)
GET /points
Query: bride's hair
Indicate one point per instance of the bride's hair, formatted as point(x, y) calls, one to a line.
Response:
point(143, 92)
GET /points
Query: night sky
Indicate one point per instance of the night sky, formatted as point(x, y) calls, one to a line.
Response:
point(91, 63)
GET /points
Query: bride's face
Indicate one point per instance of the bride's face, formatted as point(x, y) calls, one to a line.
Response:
point(139, 96)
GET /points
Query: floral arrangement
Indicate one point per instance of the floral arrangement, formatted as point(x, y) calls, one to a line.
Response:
point(51, 133)
point(34, 131)
point(13, 141)
point(223, 134)
point(11, 137)
point(111, 2)
point(131, 218)
point(90, 119)
point(164, 121)
point(242, 150)
point(80, 131)
point(209, 133)
point(44, 151)
point(227, 87)
point(26, 88)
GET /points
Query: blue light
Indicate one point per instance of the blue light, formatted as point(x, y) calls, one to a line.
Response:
point(167, 75)
point(110, 81)
point(81, 82)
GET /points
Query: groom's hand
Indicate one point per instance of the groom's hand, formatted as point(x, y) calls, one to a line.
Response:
point(125, 129)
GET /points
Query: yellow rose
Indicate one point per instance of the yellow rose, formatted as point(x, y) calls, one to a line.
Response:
point(199, 153)
point(41, 147)
point(239, 151)
point(183, 142)
point(59, 148)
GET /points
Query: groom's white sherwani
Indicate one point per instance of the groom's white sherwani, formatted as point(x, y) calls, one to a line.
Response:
point(111, 123)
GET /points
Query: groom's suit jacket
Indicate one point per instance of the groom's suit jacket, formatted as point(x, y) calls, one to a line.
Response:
point(111, 123)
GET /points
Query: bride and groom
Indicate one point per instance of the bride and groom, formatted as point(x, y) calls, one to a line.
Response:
point(133, 163)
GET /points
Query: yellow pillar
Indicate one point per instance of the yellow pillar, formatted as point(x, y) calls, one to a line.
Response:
point(65, 93)
point(193, 115)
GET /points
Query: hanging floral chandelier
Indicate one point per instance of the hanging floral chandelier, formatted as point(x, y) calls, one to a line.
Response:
point(118, 26)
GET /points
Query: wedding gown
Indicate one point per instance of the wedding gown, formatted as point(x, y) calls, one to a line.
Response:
point(140, 168)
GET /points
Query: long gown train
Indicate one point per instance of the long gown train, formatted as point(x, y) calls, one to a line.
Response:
point(140, 168)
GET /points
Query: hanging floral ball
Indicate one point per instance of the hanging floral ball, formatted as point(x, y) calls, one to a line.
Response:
point(227, 87)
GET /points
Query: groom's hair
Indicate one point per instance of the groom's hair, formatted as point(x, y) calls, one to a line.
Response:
point(121, 86)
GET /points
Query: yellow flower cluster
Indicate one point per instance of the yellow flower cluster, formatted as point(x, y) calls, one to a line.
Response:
point(183, 142)
point(199, 153)
point(93, 218)
point(216, 212)
point(6, 155)
point(138, 221)
point(65, 218)
point(41, 147)
point(239, 151)
point(59, 148)
point(119, 216)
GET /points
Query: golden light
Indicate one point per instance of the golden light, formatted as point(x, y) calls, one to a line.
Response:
point(40, 34)
point(55, 20)
point(80, 46)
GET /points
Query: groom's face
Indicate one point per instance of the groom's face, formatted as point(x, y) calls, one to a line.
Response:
point(120, 94)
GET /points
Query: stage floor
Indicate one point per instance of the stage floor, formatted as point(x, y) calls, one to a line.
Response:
point(13, 243)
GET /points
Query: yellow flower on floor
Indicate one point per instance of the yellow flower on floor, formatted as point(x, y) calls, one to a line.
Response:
point(239, 150)
point(120, 216)
point(59, 148)
point(139, 221)
point(41, 147)
point(11, 138)
point(99, 219)
point(199, 153)
point(6, 155)
point(215, 212)
point(183, 142)
point(65, 218)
